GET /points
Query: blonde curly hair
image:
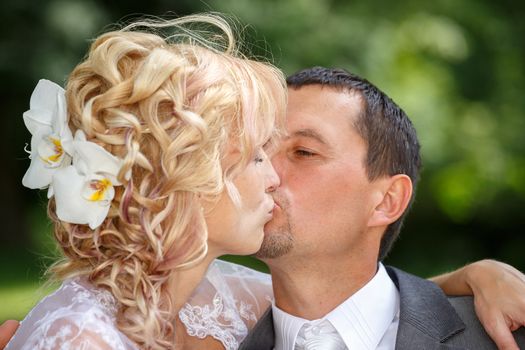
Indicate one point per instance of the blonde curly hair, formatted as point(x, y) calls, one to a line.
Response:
point(169, 106)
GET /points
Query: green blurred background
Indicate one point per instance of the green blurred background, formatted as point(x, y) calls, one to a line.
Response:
point(456, 67)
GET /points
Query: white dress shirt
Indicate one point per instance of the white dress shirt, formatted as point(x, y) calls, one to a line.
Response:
point(367, 320)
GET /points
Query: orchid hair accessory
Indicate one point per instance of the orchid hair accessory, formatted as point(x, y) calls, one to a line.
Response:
point(80, 174)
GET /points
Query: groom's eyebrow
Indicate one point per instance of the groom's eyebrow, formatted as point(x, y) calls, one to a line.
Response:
point(309, 133)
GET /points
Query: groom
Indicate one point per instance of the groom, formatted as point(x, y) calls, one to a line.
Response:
point(348, 170)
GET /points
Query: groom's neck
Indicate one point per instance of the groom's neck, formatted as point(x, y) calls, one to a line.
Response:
point(311, 288)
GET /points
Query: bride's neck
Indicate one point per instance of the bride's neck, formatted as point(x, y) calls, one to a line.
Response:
point(183, 282)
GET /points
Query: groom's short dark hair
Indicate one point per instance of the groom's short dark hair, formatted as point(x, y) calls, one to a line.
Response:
point(393, 147)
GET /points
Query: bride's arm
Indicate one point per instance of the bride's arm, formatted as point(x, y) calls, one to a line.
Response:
point(7, 329)
point(498, 289)
point(499, 296)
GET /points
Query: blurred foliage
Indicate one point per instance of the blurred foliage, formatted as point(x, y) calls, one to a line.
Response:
point(456, 67)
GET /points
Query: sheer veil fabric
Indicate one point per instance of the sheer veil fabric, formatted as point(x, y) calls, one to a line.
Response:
point(76, 316)
point(226, 305)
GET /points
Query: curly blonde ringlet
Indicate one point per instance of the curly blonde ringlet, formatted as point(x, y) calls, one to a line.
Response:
point(171, 107)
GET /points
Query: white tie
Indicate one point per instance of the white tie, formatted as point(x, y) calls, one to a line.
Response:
point(320, 336)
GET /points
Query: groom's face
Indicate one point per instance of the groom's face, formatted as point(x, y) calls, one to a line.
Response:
point(324, 199)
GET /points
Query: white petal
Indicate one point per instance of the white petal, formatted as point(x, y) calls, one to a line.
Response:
point(81, 166)
point(98, 216)
point(50, 191)
point(71, 206)
point(43, 105)
point(60, 124)
point(66, 137)
point(67, 145)
point(45, 95)
point(59, 109)
point(37, 119)
point(80, 136)
point(37, 139)
point(97, 159)
point(38, 176)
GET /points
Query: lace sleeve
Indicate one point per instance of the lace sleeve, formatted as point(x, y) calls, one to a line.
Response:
point(227, 303)
point(69, 333)
point(74, 317)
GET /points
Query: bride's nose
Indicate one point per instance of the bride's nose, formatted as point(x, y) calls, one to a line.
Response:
point(272, 179)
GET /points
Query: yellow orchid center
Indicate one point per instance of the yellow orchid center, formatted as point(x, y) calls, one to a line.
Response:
point(99, 188)
point(51, 151)
point(59, 151)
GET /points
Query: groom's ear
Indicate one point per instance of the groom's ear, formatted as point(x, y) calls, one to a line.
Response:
point(392, 200)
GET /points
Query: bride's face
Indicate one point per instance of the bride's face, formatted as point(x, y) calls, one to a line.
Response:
point(234, 229)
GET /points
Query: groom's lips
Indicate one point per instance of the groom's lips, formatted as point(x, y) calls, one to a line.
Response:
point(278, 208)
point(276, 211)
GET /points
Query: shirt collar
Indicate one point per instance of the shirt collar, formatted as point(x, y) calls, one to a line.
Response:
point(286, 328)
point(361, 320)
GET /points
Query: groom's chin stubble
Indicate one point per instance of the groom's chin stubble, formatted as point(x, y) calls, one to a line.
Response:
point(278, 239)
point(275, 245)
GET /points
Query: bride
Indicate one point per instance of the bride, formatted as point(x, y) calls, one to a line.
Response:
point(155, 164)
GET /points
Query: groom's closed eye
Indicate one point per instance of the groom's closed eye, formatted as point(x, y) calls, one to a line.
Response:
point(304, 153)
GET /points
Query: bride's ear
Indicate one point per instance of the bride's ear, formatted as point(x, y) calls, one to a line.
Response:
point(393, 200)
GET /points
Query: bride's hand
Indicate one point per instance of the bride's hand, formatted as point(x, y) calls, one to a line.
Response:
point(499, 297)
point(7, 329)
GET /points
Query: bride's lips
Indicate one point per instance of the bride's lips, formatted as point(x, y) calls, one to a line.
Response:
point(271, 207)
point(272, 212)
point(276, 205)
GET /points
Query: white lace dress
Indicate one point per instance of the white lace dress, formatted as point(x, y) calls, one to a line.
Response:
point(225, 305)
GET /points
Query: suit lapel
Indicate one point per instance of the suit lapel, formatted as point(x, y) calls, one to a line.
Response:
point(426, 318)
point(262, 336)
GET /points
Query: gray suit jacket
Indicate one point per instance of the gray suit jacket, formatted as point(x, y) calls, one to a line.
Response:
point(427, 320)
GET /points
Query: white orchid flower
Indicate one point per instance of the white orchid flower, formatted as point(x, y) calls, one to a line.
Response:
point(84, 190)
point(46, 120)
